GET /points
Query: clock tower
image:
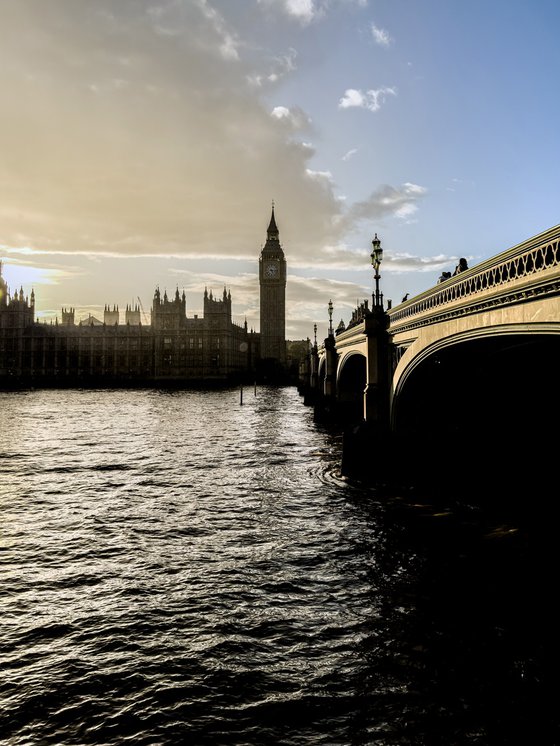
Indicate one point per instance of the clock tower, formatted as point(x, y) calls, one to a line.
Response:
point(272, 282)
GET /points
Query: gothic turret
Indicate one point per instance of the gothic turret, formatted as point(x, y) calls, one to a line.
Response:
point(68, 316)
point(169, 313)
point(110, 318)
point(132, 315)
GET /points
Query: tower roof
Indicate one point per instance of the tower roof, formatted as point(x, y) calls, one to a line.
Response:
point(272, 229)
point(272, 235)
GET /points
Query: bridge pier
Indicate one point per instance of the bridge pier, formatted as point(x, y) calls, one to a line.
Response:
point(325, 405)
point(368, 443)
point(377, 393)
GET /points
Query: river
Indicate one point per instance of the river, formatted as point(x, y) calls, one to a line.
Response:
point(181, 568)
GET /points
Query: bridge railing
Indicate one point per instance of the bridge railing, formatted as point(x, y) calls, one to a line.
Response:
point(528, 261)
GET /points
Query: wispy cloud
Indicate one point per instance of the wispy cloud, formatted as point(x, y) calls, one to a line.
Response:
point(380, 36)
point(303, 11)
point(278, 69)
point(306, 11)
point(371, 99)
point(294, 116)
point(384, 202)
point(399, 262)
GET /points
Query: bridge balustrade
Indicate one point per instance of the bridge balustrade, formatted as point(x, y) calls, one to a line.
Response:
point(525, 261)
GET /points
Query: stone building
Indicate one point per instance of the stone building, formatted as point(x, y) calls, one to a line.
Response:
point(173, 348)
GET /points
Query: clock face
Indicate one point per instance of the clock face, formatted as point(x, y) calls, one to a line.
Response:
point(271, 270)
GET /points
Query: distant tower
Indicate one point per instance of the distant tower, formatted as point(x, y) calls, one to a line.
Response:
point(132, 315)
point(110, 318)
point(272, 282)
point(169, 314)
point(68, 316)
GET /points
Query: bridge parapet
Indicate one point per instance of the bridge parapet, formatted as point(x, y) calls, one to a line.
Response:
point(515, 275)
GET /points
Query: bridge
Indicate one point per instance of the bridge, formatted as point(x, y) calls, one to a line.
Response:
point(472, 360)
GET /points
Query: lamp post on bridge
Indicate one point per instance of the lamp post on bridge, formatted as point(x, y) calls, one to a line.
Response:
point(376, 258)
point(377, 390)
point(311, 392)
point(372, 436)
point(328, 405)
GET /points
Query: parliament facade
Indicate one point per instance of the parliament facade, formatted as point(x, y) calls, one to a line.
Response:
point(172, 349)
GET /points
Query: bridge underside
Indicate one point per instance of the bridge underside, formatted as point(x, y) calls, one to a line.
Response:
point(487, 410)
point(350, 389)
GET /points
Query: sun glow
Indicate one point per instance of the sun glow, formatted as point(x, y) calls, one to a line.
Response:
point(27, 276)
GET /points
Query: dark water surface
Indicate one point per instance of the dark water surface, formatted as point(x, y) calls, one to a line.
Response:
point(177, 568)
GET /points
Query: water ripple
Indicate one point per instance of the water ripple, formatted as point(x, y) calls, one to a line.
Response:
point(180, 569)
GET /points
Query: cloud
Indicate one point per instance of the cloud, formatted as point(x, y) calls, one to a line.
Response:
point(279, 68)
point(295, 117)
point(307, 11)
point(139, 131)
point(129, 139)
point(303, 11)
point(371, 100)
point(383, 202)
point(349, 154)
point(324, 177)
point(380, 36)
point(399, 262)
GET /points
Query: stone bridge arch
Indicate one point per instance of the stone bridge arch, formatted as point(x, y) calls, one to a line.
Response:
point(350, 385)
point(481, 388)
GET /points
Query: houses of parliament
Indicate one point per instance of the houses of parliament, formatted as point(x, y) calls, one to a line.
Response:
point(173, 348)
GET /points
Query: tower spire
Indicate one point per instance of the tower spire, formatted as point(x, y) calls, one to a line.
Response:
point(272, 231)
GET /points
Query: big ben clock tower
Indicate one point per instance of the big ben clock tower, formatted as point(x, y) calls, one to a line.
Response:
point(272, 282)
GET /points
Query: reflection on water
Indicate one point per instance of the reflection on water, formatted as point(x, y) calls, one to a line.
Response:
point(177, 568)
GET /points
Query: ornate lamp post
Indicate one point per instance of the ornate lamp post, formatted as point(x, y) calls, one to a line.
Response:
point(315, 335)
point(330, 318)
point(376, 258)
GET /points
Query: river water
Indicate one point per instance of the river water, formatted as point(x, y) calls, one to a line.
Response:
point(178, 568)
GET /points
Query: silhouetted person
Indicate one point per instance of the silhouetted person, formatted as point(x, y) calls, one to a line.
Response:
point(444, 276)
point(461, 267)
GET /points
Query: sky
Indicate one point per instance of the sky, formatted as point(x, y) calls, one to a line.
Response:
point(144, 142)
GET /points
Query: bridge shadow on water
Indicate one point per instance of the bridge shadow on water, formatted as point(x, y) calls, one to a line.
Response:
point(470, 483)
point(481, 645)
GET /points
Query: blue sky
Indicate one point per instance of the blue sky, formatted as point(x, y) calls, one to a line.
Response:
point(144, 141)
